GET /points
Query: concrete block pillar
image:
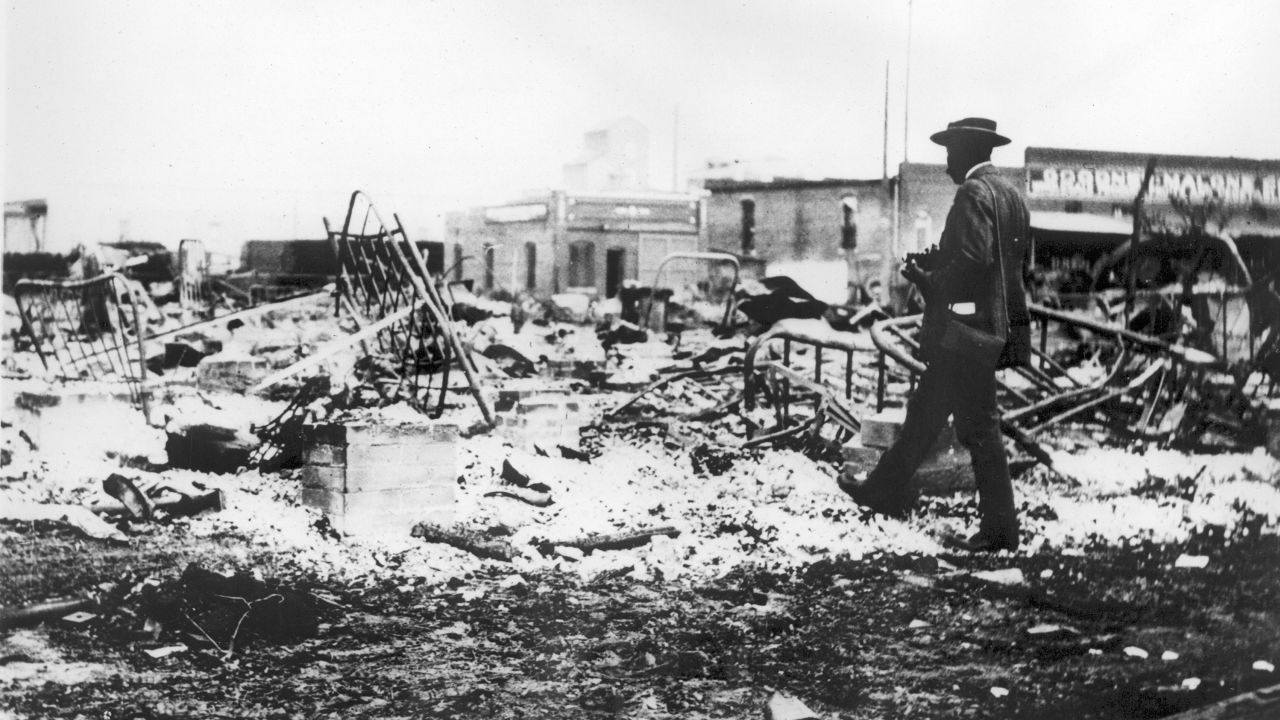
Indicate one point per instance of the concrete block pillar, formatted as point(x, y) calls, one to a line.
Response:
point(380, 480)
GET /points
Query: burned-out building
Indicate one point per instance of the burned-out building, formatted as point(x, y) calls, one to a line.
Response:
point(569, 242)
point(1081, 202)
point(840, 229)
point(1082, 205)
point(1071, 191)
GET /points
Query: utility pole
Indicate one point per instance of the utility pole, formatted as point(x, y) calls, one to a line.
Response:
point(675, 150)
point(906, 92)
point(885, 151)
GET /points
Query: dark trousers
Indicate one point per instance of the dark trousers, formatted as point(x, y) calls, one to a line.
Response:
point(952, 385)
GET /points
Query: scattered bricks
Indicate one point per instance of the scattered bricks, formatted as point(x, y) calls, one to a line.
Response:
point(559, 368)
point(374, 479)
point(544, 404)
point(573, 369)
point(628, 382)
point(516, 390)
point(524, 432)
point(546, 419)
point(230, 374)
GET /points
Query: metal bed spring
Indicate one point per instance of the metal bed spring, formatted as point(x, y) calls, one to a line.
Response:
point(85, 330)
point(382, 273)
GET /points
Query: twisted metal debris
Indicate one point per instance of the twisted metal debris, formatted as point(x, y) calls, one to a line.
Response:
point(383, 277)
point(88, 330)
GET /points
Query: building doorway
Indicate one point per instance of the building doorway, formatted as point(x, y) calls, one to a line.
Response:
point(614, 271)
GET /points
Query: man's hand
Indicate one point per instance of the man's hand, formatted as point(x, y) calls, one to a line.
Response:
point(913, 273)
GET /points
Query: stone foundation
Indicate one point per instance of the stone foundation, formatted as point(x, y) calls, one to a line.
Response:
point(546, 420)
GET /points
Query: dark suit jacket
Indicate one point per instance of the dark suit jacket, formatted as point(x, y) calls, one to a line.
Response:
point(966, 269)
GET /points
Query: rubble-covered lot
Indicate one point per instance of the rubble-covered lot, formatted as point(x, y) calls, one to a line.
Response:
point(605, 564)
point(1134, 598)
point(843, 635)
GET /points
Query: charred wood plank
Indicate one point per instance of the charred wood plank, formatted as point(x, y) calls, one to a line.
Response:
point(474, 542)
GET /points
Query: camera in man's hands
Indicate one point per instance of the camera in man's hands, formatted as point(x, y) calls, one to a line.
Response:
point(925, 259)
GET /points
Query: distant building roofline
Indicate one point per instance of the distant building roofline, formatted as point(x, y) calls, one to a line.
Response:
point(26, 208)
point(656, 195)
point(1073, 155)
point(728, 185)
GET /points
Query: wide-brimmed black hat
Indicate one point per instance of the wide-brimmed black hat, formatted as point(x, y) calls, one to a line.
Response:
point(973, 129)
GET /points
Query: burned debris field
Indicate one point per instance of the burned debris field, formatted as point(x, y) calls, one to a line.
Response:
point(885, 635)
point(387, 491)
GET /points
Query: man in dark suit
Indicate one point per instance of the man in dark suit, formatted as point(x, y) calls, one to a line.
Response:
point(975, 279)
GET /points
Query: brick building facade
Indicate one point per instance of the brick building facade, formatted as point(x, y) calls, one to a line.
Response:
point(832, 222)
point(582, 243)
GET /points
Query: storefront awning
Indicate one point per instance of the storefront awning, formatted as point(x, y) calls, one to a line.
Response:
point(1083, 223)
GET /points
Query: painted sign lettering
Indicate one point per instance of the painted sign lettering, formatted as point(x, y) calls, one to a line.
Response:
point(1116, 177)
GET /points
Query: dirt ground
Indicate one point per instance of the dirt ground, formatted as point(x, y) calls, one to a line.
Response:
point(883, 636)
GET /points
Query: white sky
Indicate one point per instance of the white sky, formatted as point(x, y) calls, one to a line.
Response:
point(232, 120)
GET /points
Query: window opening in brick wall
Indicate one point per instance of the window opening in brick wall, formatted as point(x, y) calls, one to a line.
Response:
point(434, 254)
point(848, 224)
point(530, 266)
